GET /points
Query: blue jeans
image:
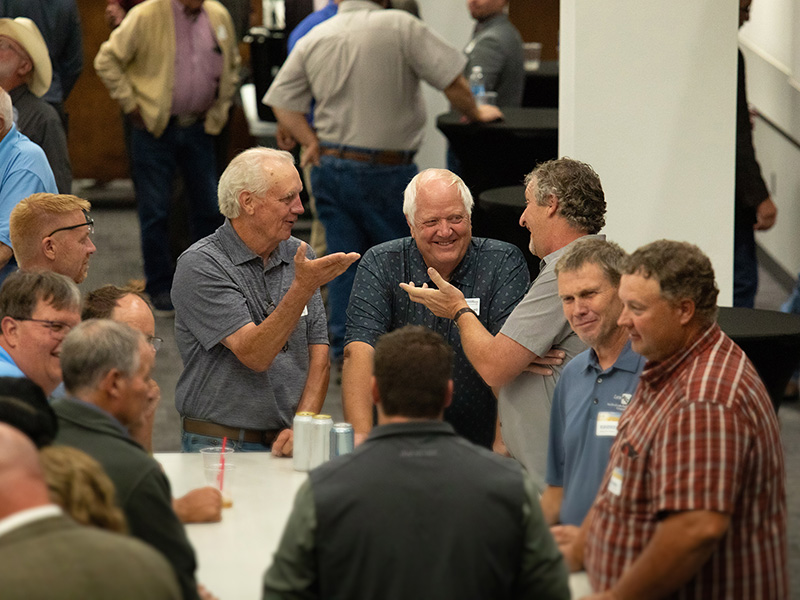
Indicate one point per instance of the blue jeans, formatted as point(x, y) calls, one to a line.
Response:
point(361, 205)
point(745, 265)
point(192, 442)
point(153, 165)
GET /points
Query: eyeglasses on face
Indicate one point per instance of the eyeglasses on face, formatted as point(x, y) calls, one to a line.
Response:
point(155, 342)
point(57, 328)
point(89, 222)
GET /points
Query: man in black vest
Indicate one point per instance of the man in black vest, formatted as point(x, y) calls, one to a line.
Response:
point(416, 511)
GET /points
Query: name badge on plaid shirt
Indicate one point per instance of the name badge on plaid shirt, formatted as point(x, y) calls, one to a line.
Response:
point(615, 483)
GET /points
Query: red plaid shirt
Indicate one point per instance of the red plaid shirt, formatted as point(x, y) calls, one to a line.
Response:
point(699, 434)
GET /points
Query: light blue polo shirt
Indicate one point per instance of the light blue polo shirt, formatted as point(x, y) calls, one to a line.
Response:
point(587, 404)
point(8, 368)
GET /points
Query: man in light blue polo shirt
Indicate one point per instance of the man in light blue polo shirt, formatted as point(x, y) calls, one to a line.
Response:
point(24, 170)
point(595, 387)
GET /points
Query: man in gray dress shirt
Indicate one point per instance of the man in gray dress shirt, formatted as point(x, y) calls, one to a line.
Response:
point(249, 320)
point(496, 47)
point(565, 202)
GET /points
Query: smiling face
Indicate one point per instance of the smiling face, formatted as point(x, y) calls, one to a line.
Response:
point(274, 215)
point(37, 346)
point(442, 228)
point(70, 249)
point(534, 219)
point(655, 325)
point(591, 304)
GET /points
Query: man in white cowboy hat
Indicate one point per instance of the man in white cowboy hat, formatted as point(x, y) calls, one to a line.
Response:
point(26, 73)
point(23, 171)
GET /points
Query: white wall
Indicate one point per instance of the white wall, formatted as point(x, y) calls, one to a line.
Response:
point(648, 97)
point(451, 20)
point(771, 48)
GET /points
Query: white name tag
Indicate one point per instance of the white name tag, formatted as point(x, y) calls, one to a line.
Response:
point(305, 312)
point(222, 33)
point(607, 424)
point(474, 304)
point(615, 483)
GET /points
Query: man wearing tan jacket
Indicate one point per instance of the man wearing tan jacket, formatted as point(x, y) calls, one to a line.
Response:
point(173, 67)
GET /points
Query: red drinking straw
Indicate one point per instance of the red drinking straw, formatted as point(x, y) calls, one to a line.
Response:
point(221, 476)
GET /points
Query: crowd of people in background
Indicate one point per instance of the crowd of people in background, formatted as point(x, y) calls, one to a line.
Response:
point(507, 431)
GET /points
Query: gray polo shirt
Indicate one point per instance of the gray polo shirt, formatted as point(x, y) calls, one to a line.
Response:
point(538, 323)
point(220, 286)
point(363, 66)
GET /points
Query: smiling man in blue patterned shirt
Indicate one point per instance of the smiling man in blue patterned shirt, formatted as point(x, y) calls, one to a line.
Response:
point(492, 275)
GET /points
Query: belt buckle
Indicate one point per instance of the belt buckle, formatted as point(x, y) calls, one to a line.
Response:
point(187, 120)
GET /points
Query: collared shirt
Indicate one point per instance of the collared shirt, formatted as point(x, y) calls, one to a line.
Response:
point(220, 286)
point(492, 275)
point(587, 404)
point(538, 324)
point(24, 517)
point(8, 368)
point(198, 62)
point(496, 47)
point(364, 67)
point(699, 434)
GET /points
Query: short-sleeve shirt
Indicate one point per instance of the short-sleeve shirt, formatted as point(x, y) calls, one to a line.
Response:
point(363, 67)
point(587, 405)
point(492, 272)
point(496, 47)
point(220, 286)
point(699, 434)
point(538, 324)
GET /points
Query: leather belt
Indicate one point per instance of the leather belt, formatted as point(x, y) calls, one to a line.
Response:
point(378, 157)
point(253, 436)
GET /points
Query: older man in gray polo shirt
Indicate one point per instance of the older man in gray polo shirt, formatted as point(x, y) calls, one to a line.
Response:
point(249, 321)
point(565, 202)
point(365, 66)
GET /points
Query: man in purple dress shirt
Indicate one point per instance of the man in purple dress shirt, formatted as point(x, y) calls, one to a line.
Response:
point(173, 67)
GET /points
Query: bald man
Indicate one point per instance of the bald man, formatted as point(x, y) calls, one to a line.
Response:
point(127, 305)
point(45, 554)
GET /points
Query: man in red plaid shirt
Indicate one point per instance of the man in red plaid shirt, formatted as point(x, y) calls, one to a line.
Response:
point(693, 502)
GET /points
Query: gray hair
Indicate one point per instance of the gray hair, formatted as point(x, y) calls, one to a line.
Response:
point(410, 194)
point(94, 348)
point(22, 290)
point(581, 200)
point(247, 173)
point(682, 271)
point(6, 111)
point(606, 255)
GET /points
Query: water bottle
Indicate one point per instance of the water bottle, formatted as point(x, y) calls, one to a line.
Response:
point(476, 83)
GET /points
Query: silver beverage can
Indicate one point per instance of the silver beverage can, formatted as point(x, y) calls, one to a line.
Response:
point(342, 439)
point(301, 426)
point(320, 440)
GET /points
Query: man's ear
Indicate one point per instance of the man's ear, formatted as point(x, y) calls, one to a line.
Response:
point(448, 398)
point(25, 69)
point(247, 202)
point(111, 384)
point(687, 310)
point(552, 205)
point(10, 330)
point(48, 247)
point(376, 397)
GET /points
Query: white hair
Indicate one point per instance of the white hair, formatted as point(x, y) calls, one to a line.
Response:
point(6, 111)
point(410, 194)
point(247, 173)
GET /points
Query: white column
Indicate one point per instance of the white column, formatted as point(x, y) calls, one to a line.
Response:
point(648, 98)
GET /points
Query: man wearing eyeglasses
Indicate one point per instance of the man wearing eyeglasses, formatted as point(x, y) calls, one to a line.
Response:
point(52, 232)
point(491, 274)
point(37, 310)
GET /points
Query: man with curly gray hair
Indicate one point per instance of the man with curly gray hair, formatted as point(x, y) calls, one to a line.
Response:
point(565, 203)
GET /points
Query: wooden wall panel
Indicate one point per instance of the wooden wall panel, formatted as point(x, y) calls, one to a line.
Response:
point(537, 21)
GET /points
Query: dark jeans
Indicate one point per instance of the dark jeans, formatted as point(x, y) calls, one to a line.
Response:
point(745, 265)
point(360, 204)
point(153, 165)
